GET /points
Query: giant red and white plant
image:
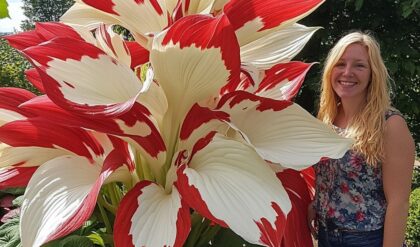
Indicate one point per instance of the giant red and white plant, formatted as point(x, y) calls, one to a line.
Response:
point(195, 115)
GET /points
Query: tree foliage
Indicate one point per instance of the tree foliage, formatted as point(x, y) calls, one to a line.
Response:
point(43, 10)
point(12, 68)
point(395, 24)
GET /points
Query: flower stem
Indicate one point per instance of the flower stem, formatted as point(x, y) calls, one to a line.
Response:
point(208, 234)
point(104, 217)
point(112, 193)
point(111, 208)
point(197, 225)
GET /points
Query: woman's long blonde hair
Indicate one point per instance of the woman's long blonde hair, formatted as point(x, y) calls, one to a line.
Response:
point(367, 127)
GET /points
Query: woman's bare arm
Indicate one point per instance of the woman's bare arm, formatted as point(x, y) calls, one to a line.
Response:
point(397, 170)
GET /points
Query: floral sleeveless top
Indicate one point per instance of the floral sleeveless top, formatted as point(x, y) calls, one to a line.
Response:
point(349, 192)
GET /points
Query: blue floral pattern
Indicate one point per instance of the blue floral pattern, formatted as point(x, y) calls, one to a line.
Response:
point(349, 192)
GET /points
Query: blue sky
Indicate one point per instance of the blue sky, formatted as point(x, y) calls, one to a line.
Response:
point(16, 16)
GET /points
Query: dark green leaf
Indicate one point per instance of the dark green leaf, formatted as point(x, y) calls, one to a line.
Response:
point(70, 241)
point(358, 4)
point(55, 243)
point(15, 191)
point(393, 67)
point(198, 223)
point(79, 241)
point(410, 67)
point(227, 238)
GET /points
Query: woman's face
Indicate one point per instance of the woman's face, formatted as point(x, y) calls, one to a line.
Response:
point(351, 74)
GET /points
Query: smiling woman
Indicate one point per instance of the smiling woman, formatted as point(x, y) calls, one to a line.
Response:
point(362, 198)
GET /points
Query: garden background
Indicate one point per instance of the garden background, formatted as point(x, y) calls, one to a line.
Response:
point(395, 23)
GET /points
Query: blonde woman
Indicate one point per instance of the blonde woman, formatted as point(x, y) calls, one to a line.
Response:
point(362, 198)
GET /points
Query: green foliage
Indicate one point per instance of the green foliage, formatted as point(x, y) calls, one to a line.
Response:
point(9, 233)
point(3, 9)
point(124, 32)
point(97, 239)
point(43, 11)
point(13, 191)
point(395, 25)
point(227, 237)
point(413, 223)
point(416, 178)
point(206, 234)
point(410, 7)
point(71, 241)
point(12, 68)
point(202, 231)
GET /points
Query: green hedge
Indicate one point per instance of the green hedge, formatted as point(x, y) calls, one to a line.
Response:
point(413, 223)
point(12, 68)
point(416, 178)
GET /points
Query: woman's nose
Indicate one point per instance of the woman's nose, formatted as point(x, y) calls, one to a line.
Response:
point(348, 71)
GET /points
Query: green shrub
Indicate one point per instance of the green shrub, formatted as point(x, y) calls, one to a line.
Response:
point(416, 178)
point(12, 68)
point(413, 223)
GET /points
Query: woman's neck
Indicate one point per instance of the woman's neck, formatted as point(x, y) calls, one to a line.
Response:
point(346, 112)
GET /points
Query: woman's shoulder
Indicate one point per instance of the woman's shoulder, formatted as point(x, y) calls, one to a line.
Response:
point(393, 112)
point(396, 128)
point(394, 124)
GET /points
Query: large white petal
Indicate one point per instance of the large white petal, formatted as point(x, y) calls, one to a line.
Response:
point(83, 83)
point(197, 6)
point(112, 44)
point(148, 216)
point(28, 156)
point(283, 132)
point(55, 193)
point(283, 81)
point(229, 183)
point(79, 76)
point(199, 122)
point(171, 5)
point(253, 19)
point(279, 46)
point(192, 60)
point(150, 16)
point(82, 14)
point(7, 116)
point(62, 194)
point(218, 5)
point(154, 99)
point(188, 74)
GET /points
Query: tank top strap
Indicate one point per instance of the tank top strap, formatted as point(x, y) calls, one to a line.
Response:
point(391, 112)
